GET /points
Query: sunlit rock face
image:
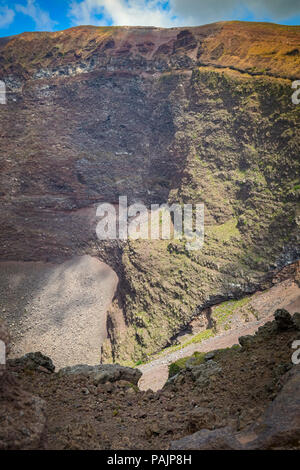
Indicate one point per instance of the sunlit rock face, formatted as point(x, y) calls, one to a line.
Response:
point(181, 115)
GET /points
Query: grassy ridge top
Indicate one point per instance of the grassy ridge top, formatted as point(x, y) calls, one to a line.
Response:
point(256, 47)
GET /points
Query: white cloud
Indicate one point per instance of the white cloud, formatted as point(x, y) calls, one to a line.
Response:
point(201, 11)
point(178, 13)
point(193, 12)
point(6, 16)
point(40, 17)
point(120, 12)
point(277, 9)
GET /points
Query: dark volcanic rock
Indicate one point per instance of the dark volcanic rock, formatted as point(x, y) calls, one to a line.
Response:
point(201, 418)
point(202, 373)
point(283, 319)
point(23, 418)
point(33, 361)
point(278, 428)
point(104, 373)
point(246, 341)
point(296, 320)
point(280, 425)
point(22, 415)
point(218, 439)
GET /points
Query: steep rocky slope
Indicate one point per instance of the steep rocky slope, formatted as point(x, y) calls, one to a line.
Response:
point(178, 115)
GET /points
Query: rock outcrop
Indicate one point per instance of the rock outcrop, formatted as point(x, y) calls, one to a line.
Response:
point(33, 361)
point(203, 373)
point(217, 439)
point(283, 320)
point(104, 373)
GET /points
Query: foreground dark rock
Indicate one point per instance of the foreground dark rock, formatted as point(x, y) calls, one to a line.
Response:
point(23, 418)
point(280, 425)
point(218, 439)
point(22, 414)
point(250, 401)
point(278, 428)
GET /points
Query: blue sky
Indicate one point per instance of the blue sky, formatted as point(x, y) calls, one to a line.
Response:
point(17, 16)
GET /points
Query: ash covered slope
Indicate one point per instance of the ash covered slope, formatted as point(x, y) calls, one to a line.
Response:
point(184, 114)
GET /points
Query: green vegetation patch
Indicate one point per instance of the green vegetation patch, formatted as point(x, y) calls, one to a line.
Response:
point(197, 358)
point(225, 310)
point(225, 231)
